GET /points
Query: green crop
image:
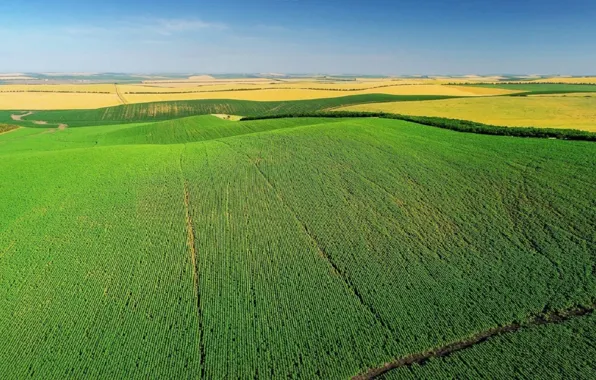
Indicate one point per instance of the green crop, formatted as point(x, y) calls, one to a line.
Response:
point(304, 248)
point(143, 112)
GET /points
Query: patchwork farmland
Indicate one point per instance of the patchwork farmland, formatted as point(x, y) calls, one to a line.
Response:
point(298, 240)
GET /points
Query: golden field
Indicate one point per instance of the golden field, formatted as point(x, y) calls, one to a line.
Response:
point(532, 111)
point(304, 94)
point(76, 88)
point(77, 96)
point(577, 80)
point(56, 101)
point(566, 95)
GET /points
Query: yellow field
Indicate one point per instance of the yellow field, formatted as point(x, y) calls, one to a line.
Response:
point(591, 80)
point(55, 101)
point(302, 94)
point(58, 88)
point(72, 96)
point(304, 85)
point(572, 95)
point(551, 112)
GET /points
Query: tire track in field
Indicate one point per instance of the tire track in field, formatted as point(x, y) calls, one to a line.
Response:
point(420, 358)
point(335, 269)
point(122, 99)
point(190, 242)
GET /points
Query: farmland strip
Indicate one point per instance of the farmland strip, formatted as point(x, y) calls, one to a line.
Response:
point(552, 317)
point(190, 242)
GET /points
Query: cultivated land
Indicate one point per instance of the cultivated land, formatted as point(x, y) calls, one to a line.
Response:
point(145, 240)
point(532, 111)
point(40, 97)
point(50, 100)
point(529, 353)
point(301, 247)
point(80, 92)
point(168, 110)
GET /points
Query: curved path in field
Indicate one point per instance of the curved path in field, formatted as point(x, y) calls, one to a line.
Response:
point(16, 117)
point(553, 317)
point(20, 117)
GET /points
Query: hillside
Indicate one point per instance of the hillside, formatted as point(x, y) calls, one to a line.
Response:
point(304, 248)
point(133, 113)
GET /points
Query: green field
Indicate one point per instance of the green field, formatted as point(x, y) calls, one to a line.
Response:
point(288, 248)
point(143, 112)
point(540, 353)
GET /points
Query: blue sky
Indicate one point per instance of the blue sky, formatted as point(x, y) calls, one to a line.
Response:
point(300, 36)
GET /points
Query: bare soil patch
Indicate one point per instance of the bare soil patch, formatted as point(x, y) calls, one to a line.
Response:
point(20, 117)
point(224, 116)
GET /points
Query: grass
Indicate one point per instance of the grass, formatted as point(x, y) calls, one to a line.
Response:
point(548, 112)
point(319, 248)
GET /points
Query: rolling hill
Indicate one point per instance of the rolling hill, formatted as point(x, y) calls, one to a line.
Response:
point(304, 248)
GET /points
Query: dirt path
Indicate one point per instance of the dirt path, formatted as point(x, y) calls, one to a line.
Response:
point(553, 317)
point(190, 242)
point(60, 127)
point(20, 117)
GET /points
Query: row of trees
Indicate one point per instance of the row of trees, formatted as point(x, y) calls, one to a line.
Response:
point(452, 124)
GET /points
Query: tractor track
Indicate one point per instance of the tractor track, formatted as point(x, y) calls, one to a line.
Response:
point(420, 358)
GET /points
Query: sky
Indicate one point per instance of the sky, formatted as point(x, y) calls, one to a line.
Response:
point(389, 37)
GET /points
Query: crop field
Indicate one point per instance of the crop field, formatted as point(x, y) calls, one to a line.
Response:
point(288, 94)
point(59, 88)
point(531, 353)
point(55, 100)
point(91, 96)
point(570, 80)
point(531, 111)
point(539, 88)
point(290, 248)
point(169, 110)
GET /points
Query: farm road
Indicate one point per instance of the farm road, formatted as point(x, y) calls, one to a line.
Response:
point(15, 117)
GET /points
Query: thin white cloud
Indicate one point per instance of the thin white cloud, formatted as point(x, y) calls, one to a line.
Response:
point(146, 26)
point(271, 28)
point(85, 30)
point(170, 26)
